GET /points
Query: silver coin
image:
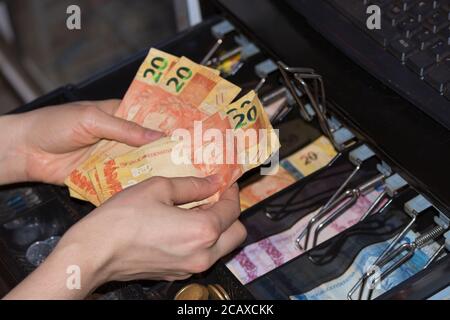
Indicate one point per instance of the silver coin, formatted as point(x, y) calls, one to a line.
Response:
point(38, 252)
point(53, 241)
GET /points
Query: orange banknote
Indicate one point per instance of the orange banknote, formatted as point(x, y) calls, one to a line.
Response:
point(171, 99)
point(241, 138)
point(264, 188)
point(151, 72)
point(188, 93)
point(307, 160)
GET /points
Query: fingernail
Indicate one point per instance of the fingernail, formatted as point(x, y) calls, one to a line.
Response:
point(214, 179)
point(153, 135)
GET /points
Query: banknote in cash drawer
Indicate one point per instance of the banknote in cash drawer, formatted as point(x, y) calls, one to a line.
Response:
point(315, 164)
point(332, 269)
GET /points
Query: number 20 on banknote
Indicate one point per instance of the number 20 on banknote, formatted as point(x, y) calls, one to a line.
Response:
point(246, 114)
point(182, 74)
point(155, 66)
point(158, 65)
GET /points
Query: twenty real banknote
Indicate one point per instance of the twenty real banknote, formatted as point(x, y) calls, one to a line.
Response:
point(151, 72)
point(338, 289)
point(241, 138)
point(298, 165)
point(167, 93)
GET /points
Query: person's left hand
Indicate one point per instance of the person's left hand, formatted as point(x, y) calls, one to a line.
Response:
point(47, 144)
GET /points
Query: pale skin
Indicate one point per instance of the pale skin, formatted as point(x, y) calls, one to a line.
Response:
point(139, 233)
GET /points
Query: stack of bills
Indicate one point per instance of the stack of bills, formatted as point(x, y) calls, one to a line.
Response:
point(206, 131)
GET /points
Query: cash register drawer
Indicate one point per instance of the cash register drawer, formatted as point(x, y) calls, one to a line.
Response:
point(33, 213)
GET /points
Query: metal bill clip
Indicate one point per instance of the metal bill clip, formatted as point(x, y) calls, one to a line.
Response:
point(351, 196)
point(263, 70)
point(219, 31)
point(442, 220)
point(405, 252)
point(393, 185)
point(279, 211)
point(347, 199)
point(333, 123)
point(277, 104)
point(357, 157)
point(231, 61)
point(413, 208)
point(298, 81)
point(247, 48)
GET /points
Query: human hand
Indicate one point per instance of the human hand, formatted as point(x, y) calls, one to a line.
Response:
point(140, 233)
point(45, 145)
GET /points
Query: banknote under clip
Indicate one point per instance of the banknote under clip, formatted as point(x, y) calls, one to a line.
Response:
point(278, 212)
point(391, 187)
point(347, 199)
point(413, 208)
point(388, 189)
point(274, 97)
point(403, 253)
point(394, 185)
point(357, 156)
point(440, 252)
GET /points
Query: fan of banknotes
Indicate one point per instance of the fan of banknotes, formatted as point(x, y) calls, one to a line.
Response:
point(207, 131)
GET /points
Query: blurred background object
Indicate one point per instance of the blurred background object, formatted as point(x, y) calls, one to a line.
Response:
point(38, 53)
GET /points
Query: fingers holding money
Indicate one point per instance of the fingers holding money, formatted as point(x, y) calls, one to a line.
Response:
point(102, 125)
point(232, 232)
point(227, 210)
point(224, 243)
point(229, 240)
point(219, 232)
point(178, 191)
point(108, 106)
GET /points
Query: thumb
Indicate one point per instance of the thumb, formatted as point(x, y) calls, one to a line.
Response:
point(121, 130)
point(184, 190)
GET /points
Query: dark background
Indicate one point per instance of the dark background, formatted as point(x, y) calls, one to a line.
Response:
point(35, 42)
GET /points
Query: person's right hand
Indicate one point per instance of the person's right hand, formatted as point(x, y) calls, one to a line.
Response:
point(145, 235)
point(141, 234)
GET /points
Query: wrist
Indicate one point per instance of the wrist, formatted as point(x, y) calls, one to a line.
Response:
point(77, 266)
point(68, 273)
point(84, 258)
point(92, 237)
point(83, 267)
point(12, 159)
